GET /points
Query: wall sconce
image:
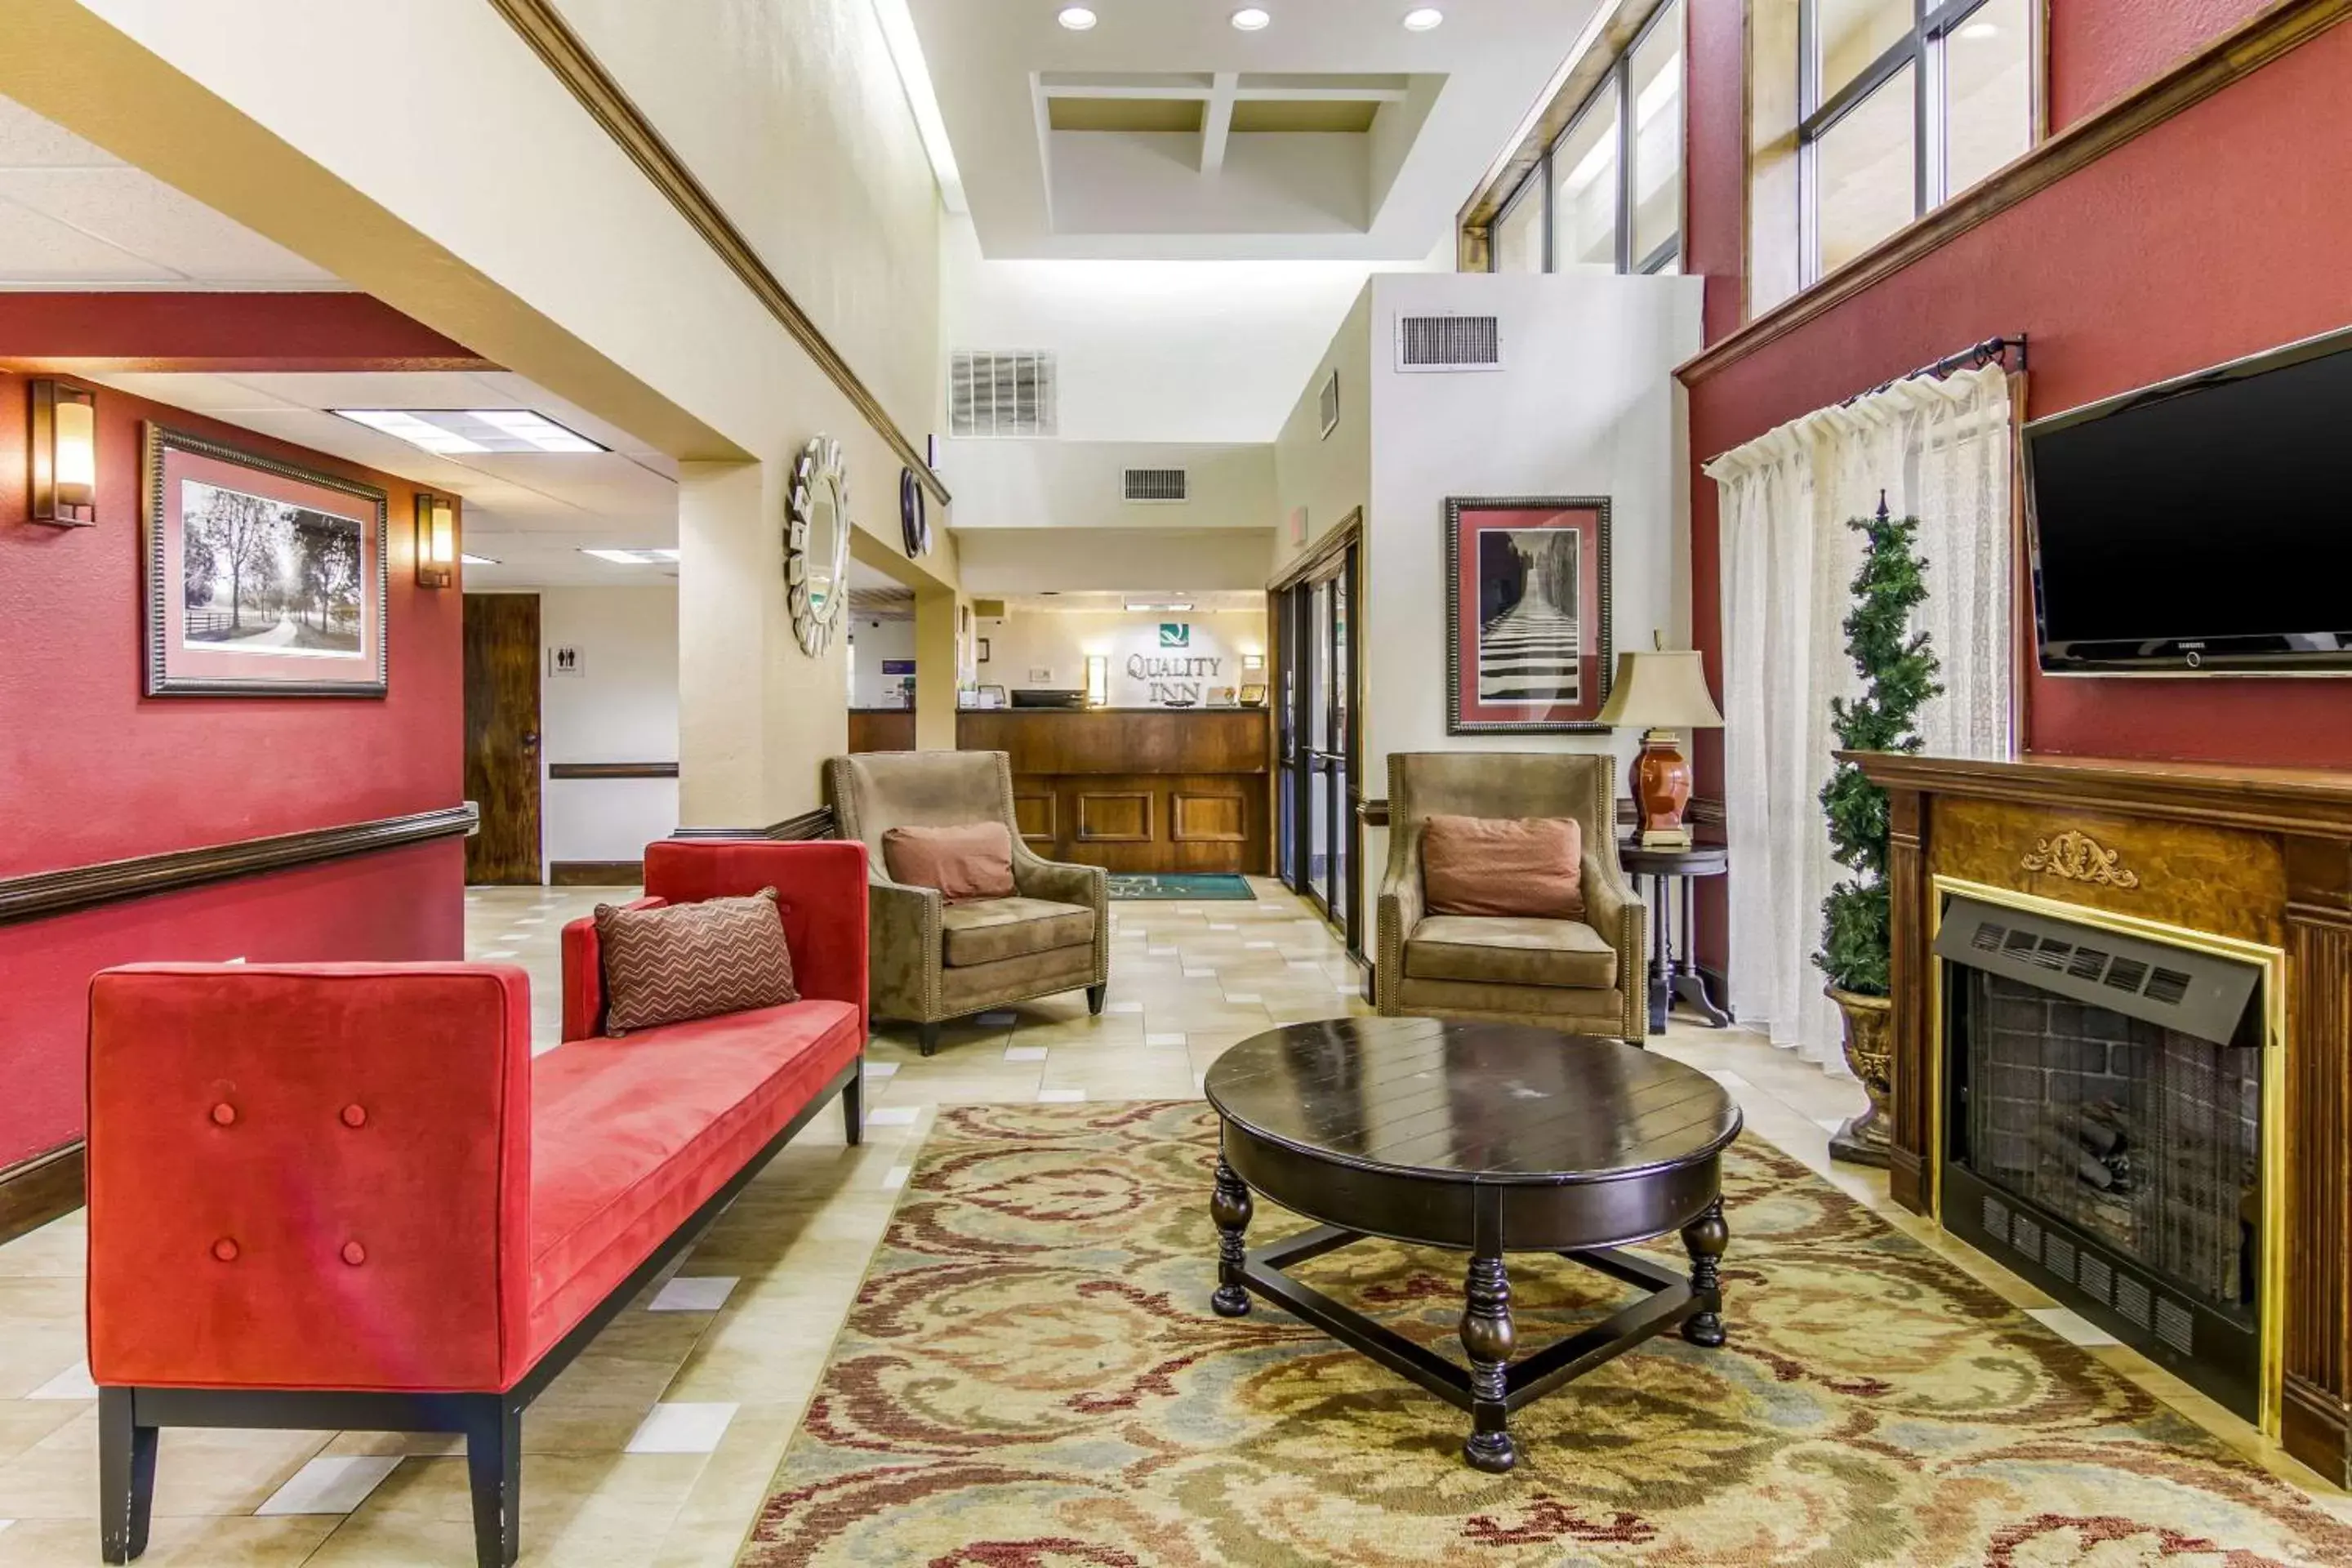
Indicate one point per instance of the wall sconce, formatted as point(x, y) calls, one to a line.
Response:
point(437, 540)
point(64, 487)
point(1098, 680)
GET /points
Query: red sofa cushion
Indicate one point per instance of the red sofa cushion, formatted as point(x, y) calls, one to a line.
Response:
point(631, 1136)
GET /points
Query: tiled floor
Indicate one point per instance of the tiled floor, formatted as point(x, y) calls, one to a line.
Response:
point(657, 1447)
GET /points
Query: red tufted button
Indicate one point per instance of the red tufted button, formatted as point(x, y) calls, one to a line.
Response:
point(224, 1249)
point(355, 1116)
point(223, 1113)
point(354, 1254)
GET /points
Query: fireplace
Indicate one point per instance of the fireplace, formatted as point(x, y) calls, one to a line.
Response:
point(2104, 1129)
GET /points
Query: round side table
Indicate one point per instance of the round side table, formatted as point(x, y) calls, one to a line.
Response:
point(1674, 968)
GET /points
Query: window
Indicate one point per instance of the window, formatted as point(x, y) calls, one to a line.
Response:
point(1897, 106)
point(1608, 192)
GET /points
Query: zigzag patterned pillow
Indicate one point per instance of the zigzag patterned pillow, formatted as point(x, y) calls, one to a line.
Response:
point(692, 960)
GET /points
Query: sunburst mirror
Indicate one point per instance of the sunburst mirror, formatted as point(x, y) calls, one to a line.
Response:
point(816, 543)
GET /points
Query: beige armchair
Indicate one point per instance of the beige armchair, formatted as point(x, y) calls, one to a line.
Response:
point(931, 961)
point(1584, 976)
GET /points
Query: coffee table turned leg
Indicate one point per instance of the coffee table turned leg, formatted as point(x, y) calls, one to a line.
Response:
point(1229, 1208)
point(1486, 1335)
point(1706, 1237)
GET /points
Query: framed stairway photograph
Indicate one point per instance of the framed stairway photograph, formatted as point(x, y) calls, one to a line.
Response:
point(1529, 648)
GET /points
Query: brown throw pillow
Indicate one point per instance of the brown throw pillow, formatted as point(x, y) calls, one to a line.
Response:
point(1528, 867)
point(968, 862)
point(693, 960)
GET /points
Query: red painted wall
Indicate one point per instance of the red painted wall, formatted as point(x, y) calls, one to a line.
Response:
point(2220, 233)
point(90, 770)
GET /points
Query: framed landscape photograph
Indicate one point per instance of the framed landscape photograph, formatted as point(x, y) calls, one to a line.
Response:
point(1529, 648)
point(263, 578)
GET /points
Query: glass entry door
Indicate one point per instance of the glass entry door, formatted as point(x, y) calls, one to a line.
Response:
point(1316, 757)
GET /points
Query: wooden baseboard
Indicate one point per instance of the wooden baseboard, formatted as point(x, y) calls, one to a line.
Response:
point(36, 1191)
point(597, 873)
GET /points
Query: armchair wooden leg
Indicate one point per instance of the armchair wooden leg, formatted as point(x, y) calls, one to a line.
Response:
point(126, 1476)
point(930, 1033)
point(852, 1101)
point(1096, 996)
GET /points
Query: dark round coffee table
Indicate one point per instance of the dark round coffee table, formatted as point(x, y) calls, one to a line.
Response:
point(1489, 1139)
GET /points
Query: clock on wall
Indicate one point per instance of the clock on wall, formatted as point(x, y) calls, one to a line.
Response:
point(914, 513)
point(816, 543)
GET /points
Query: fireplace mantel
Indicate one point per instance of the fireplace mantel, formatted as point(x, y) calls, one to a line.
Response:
point(2259, 856)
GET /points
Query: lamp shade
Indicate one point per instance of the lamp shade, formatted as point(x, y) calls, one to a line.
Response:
point(1660, 691)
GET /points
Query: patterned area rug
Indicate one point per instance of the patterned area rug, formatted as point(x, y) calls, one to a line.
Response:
point(1031, 1376)
point(1162, 887)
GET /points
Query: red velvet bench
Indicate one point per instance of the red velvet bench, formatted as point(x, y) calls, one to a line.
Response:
point(345, 1196)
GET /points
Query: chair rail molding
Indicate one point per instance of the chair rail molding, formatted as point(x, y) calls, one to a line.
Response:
point(40, 894)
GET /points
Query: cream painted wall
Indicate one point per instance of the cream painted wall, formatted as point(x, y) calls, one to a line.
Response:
point(1056, 643)
point(1586, 404)
point(1328, 475)
point(1114, 560)
point(1078, 484)
point(621, 709)
point(1154, 351)
point(872, 641)
point(793, 117)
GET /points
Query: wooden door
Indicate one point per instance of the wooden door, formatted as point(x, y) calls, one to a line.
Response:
point(502, 735)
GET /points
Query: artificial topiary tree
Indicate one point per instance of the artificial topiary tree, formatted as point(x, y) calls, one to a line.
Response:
point(1898, 674)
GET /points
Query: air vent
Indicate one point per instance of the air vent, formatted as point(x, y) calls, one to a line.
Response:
point(1448, 342)
point(2134, 1301)
point(2125, 974)
point(1000, 394)
point(2053, 953)
point(1327, 402)
point(2019, 944)
point(2166, 986)
point(2086, 964)
point(1987, 937)
point(1153, 485)
point(2176, 1325)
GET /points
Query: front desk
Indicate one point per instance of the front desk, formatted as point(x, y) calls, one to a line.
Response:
point(1136, 789)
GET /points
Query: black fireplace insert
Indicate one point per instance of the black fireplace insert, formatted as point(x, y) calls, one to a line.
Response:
point(2102, 1131)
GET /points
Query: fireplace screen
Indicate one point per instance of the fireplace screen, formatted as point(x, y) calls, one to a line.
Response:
point(2102, 1130)
point(2145, 1138)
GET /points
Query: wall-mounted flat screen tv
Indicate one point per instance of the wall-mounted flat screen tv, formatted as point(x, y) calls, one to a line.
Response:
point(2202, 524)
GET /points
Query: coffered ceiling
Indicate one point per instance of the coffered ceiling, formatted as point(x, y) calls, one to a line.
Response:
point(1163, 130)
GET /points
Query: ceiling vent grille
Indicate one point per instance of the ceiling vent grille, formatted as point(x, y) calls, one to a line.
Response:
point(1000, 394)
point(1449, 343)
point(1154, 485)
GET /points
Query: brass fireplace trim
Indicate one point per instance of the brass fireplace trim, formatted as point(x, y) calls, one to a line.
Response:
point(2272, 962)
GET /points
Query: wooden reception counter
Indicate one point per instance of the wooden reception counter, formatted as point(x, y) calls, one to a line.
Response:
point(1134, 789)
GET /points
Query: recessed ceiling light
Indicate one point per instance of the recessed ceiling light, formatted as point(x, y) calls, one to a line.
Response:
point(1250, 18)
point(1422, 18)
point(1981, 31)
point(635, 557)
point(449, 431)
point(1076, 18)
point(472, 560)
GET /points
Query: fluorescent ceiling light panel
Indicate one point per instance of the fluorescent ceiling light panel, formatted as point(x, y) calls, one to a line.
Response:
point(635, 557)
point(1176, 605)
point(449, 431)
point(915, 79)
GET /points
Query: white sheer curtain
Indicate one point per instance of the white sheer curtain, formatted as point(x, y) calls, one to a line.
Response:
point(1940, 450)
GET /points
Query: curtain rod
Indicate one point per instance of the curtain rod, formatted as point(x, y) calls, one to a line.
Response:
point(1976, 356)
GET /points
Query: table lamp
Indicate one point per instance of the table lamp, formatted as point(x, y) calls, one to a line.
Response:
point(1662, 692)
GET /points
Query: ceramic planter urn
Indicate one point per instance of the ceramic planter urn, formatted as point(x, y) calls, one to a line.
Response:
point(1870, 1057)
